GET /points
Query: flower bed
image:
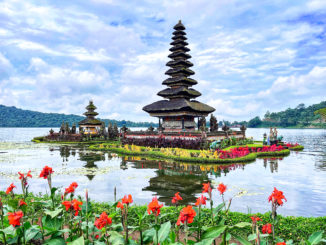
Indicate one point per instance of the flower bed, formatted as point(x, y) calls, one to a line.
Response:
point(294, 147)
point(233, 155)
point(66, 219)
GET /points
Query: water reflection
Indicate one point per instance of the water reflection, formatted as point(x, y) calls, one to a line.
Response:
point(90, 158)
point(273, 163)
point(172, 177)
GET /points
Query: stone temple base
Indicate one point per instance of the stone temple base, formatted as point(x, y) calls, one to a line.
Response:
point(177, 125)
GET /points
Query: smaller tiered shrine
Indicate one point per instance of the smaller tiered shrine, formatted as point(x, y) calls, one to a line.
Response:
point(178, 110)
point(90, 125)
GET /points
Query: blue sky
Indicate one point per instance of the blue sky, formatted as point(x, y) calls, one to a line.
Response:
point(249, 56)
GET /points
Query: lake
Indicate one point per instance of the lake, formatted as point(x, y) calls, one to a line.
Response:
point(301, 176)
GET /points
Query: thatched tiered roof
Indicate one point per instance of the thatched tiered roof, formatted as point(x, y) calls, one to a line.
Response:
point(90, 116)
point(179, 92)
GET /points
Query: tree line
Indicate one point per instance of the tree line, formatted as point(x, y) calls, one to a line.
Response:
point(11, 116)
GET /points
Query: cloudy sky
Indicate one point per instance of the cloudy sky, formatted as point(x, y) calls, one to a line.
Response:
point(249, 56)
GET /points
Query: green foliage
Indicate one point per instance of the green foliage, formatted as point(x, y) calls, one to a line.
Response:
point(14, 117)
point(254, 123)
point(298, 117)
point(321, 112)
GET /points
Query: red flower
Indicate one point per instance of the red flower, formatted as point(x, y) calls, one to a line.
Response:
point(255, 219)
point(97, 236)
point(75, 204)
point(15, 218)
point(267, 228)
point(103, 221)
point(154, 206)
point(187, 214)
point(22, 176)
point(281, 243)
point(127, 200)
point(221, 188)
point(176, 198)
point(9, 189)
point(22, 202)
point(67, 204)
point(71, 188)
point(120, 205)
point(201, 200)
point(207, 188)
point(46, 171)
point(276, 197)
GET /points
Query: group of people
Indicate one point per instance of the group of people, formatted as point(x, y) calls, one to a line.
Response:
point(272, 138)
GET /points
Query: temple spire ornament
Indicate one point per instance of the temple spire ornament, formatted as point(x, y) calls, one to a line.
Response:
point(179, 109)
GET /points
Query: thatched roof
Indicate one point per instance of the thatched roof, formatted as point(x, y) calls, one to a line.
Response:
point(91, 106)
point(179, 38)
point(89, 121)
point(178, 105)
point(179, 32)
point(179, 54)
point(184, 63)
point(180, 71)
point(179, 26)
point(180, 91)
point(176, 42)
point(181, 80)
point(179, 47)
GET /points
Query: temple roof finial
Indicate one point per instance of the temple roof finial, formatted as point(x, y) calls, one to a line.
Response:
point(179, 26)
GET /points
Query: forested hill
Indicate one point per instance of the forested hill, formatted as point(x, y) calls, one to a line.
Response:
point(299, 117)
point(14, 117)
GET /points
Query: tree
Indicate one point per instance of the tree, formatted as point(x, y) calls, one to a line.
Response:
point(255, 122)
point(267, 114)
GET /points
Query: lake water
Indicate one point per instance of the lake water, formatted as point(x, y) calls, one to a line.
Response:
point(301, 176)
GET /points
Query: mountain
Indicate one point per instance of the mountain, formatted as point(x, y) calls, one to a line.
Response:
point(299, 117)
point(11, 116)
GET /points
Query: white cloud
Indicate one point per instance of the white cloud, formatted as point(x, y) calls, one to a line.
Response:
point(247, 55)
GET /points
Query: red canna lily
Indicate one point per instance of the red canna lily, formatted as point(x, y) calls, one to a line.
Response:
point(10, 188)
point(154, 207)
point(276, 197)
point(120, 205)
point(75, 204)
point(15, 218)
point(71, 189)
point(46, 171)
point(176, 198)
point(267, 228)
point(22, 176)
point(207, 188)
point(281, 243)
point(255, 219)
point(187, 214)
point(127, 200)
point(22, 202)
point(103, 221)
point(221, 188)
point(201, 200)
point(67, 204)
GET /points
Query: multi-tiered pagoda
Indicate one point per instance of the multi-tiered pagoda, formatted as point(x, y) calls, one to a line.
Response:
point(178, 110)
point(90, 125)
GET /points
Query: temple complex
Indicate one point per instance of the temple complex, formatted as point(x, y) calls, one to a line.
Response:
point(90, 125)
point(178, 110)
